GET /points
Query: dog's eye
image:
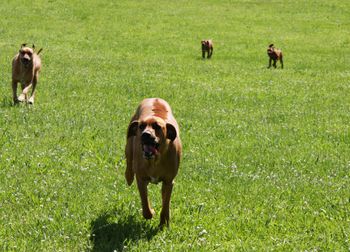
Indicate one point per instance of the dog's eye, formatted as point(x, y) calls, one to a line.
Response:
point(155, 126)
point(142, 126)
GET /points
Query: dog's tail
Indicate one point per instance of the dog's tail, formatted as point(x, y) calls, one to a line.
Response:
point(39, 51)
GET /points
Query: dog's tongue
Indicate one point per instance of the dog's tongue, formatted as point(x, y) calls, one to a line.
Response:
point(149, 149)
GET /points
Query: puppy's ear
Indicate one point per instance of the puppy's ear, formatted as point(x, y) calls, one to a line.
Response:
point(23, 45)
point(33, 46)
point(170, 132)
point(132, 129)
point(271, 45)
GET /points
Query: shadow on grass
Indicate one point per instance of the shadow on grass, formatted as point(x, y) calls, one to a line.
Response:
point(110, 235)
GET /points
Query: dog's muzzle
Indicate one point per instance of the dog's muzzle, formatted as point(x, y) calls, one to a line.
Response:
point(150, 146)
point(25, 61)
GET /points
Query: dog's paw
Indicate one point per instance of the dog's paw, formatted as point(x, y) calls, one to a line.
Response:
point(21, 98)
point(149, 214)
point(31, 100)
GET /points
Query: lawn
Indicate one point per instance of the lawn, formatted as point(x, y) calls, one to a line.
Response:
point(266, 152)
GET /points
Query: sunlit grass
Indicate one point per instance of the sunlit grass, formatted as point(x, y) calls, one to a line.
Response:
point(266, 151)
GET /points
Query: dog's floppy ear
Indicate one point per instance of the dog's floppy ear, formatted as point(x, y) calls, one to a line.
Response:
point(271, 45)
point(132, 129)
point(170, 132)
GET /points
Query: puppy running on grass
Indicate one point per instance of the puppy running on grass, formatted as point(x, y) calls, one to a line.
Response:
point(26, 66)
point(153, 151)
point(274, 55)
point(207, 47)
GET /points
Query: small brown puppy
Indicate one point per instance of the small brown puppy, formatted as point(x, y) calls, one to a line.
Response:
point(153, 151)
point(274, 55)
point(26, 66)
point(207, 47)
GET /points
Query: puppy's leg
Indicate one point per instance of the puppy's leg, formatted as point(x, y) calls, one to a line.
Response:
point(210, 52)
point(35, 80)
point(14, 91)
point(147, 211)
point(274, 63)
point(270, 61)
point(281, 60)
point(203, 54)
point(167, 188)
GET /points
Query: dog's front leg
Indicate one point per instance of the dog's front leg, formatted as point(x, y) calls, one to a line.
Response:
point(210, 52)
point(24, 95)
point(129, 153)
point(270, 61)
point(14, 91)
point(275, 63)
point(31, 99)
point(147, 211)
point(167, 188)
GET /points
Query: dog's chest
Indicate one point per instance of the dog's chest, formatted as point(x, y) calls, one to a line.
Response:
point(26, 75)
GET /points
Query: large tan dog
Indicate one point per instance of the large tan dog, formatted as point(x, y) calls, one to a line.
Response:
point(274, 55)
point(26, 66)
point(153, 152)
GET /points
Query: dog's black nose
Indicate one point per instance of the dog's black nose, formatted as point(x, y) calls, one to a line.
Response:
point(147, 137)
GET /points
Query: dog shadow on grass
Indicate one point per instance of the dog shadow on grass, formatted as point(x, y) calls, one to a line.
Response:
point(108, 234)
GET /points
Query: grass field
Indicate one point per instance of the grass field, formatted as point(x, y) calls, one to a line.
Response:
point(266, 162)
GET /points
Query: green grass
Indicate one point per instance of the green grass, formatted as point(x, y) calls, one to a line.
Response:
point(266, 151)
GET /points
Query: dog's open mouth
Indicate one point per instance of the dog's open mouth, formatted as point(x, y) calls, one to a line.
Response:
point(150, 150)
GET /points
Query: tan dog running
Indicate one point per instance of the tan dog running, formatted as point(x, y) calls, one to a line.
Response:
point(153, 152)
point(207, 47)
point(274, 55)
point(26, 66)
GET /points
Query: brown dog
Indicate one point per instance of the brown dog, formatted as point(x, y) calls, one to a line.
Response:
point(153, 152)
point(207, 47)
point(26, 66)
point(274, 55)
